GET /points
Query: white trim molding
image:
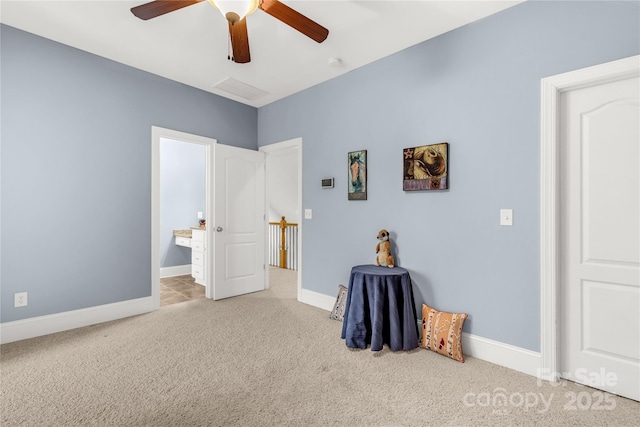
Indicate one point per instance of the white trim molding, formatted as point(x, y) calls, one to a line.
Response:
point(509, 356)
point(52, 323)
point(551, 89)
point(316, 299)
point(176, 270)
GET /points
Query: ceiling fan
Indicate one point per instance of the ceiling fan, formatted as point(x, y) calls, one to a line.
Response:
point(235, 11)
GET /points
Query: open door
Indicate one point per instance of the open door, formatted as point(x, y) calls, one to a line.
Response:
point(239, 222)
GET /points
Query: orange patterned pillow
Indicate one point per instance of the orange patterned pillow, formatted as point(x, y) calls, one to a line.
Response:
point(442, 332)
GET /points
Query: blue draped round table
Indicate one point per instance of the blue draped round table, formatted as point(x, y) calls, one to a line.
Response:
point(380, 309)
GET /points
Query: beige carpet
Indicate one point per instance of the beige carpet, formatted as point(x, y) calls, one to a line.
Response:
point(266, 360)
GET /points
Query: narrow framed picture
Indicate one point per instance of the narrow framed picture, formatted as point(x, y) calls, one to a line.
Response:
point(357, 172)
point(426, 167)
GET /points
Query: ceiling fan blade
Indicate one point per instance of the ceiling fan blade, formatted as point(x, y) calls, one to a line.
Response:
point(240, 41)
point(160, 7)
point(295, 19)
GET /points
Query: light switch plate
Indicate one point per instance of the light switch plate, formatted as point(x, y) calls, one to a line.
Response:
point(308, 214)
point(506, 217)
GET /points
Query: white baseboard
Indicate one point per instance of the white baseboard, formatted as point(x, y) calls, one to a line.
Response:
point(49, 324)
point(316, 299)
point(498, 353)
point(178, 270)
point(509, 356)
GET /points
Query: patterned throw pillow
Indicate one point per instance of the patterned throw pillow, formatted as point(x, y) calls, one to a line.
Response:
point(442, 332)
point(338, 308)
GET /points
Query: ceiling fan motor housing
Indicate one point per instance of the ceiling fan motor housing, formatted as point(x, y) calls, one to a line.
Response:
point(235, 10)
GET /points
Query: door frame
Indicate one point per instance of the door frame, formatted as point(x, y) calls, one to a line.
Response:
point(291, 144)
point(157, 133)
point(551, 90)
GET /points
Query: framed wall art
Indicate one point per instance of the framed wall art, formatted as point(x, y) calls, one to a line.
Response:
point(357, 175)
point(426, 167)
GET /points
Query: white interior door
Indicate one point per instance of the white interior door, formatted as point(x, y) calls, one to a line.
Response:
point(599, 262)
point(239, 222)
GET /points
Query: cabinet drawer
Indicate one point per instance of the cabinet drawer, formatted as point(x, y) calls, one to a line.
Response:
point(197, 235)
point(197, 258)
point(197, 271)
point(183, 241)
point(197, 246)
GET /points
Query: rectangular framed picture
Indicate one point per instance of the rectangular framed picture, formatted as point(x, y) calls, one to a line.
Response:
point(357, 172)
point(426, 167)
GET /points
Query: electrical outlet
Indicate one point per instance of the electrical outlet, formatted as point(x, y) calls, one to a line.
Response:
point(20, 299)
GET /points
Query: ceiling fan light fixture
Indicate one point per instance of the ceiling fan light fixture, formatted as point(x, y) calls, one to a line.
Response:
point(235, 10)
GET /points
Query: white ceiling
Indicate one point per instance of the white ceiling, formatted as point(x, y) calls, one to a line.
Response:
point(190, 45)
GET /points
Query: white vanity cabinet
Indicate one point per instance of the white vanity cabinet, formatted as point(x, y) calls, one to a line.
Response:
point(198, 250)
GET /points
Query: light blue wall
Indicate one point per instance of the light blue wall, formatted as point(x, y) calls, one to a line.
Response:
point(76, 171)
point(76, 162)
point(477, 88)
point(183, 170)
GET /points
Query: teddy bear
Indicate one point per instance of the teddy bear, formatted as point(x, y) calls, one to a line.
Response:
point(383, 249)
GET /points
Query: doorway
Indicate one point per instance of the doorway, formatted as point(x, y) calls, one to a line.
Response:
point(284, 197)
point(182, 211)
point(235, 179)
point(590, 259)
point(208, 144)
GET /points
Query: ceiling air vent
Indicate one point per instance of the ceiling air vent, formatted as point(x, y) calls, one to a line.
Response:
point(238, 88)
